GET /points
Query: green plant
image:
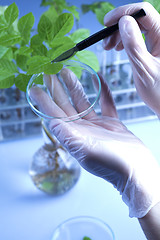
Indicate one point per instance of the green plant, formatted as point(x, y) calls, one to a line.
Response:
point(24, 52)
point(99, 8)
point(59, 6)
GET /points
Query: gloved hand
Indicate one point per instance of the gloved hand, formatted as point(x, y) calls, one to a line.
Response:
point(144, 58)
point(103, 145)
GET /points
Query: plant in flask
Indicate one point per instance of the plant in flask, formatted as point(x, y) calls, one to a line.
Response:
point(53, 170)
point(26, 52)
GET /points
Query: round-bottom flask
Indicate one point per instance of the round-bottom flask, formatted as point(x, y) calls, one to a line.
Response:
point(53, 170)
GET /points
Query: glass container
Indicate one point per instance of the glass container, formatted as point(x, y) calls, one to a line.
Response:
point(83, 228)
point(56, 88)
point(53, 170)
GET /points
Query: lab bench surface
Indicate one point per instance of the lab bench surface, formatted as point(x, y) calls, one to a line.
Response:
point(27, 213)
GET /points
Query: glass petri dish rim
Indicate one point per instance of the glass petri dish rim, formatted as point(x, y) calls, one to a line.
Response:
point(69, 118)
point(83, 217)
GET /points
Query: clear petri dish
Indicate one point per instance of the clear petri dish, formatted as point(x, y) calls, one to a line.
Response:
point(83, 228)
point(75, 90)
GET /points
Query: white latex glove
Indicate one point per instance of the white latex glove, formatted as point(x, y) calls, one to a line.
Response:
point(144, 58)
point(103, 145)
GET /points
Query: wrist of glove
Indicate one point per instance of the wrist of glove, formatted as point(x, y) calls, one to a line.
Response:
point(142, 189)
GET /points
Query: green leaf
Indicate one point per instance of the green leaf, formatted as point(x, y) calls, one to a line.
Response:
point(73, 10)
point(59, 5)
point(57, 42)
point(89, 58)
point(100, 8)
point(9, 39)
point(11, 13)
point(3, 51)
point(46, 2)
point(6, 81)
point(40, 64)
point(79, 35)
point(21, 81)
point(91, 7)
point(51, 14)
point(40, 50)
point(101, 12)
point(60, 45)
point(52, 68)
point(86, 238)
point(37, 64)
point(8, 66)
point(8, 55)
point(2, 9)
point(12, 29)
point(21, 61)
point(63, 25)
point(45, 28)
point(37, 46)
point(26, 51)
point(77, 71)
point(36, 40)
point(25, 25)
point(3, 24)
point(61, 50)
point(85, 8)
point(38, 79)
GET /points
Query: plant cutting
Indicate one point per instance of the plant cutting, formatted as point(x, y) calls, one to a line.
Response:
point(24, 52)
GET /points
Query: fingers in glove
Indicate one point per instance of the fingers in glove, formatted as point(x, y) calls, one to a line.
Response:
point(106, 101)
point(45, 104)
point(112, 42)
point(113, 16)
point(145, 66)
point(140, 59)
point(59, 94)
point(148, 24)
point(79, 98)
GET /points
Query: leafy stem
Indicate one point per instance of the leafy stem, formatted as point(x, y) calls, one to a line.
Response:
point(24, 52)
